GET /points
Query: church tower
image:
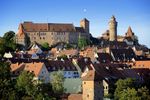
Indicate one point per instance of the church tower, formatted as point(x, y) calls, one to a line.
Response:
point(113, 29)
point(84, 23)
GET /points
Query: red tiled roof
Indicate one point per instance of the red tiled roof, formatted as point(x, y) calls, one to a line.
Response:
point(54, 27)
point(142, 64)
point(31, 67)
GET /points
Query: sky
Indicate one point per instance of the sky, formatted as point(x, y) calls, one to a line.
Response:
point(134, 13)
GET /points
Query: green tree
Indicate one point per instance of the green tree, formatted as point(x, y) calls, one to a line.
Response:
point(122, 85)
point(8, 41)
point(2, 47)
point(69, 46)
point(129, 94)
point(82, 42)
point(25, 84)
point(129, 90)
point(143, 93)
point(64, 57)
point(7, 90)
point(57, 82)
point(45, 46)
point(9, 36)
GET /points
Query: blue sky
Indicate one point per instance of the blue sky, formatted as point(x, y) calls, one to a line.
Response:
point(134, 13)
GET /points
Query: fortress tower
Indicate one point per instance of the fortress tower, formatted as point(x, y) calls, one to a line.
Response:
point(113, 29)
point(84, 23)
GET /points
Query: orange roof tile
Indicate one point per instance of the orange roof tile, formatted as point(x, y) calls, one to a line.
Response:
point(34, 67)
point(31, 67)
point(29, 26)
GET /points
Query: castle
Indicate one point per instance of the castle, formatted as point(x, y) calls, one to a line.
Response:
point(52, 33)
point(111, 34)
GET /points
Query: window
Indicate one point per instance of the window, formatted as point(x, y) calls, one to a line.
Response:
point(44, 38)
point(99, 82)
point(88, 95)
point(69, 73)
point(34, 37)
point(53, 68)
point(106, 87)
point(84, 82)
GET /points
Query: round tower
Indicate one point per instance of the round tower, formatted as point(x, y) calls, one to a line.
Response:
point(113, 29)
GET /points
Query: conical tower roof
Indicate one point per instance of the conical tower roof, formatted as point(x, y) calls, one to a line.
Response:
point(129, 32)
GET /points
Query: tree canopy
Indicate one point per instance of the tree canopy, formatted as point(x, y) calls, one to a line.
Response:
point(45, 46)
point(128, 90)
point(7, 43)
point(82, 42)
point(7, 91)
point(57, 82)
point(22, 88)
point(25, 83)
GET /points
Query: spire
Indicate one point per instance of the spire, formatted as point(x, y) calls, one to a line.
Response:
point(129, 32)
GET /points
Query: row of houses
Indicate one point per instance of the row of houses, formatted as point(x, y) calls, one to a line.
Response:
point(89, 74)
point(81, 74)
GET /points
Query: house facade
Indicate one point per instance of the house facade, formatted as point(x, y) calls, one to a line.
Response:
point(38, 69)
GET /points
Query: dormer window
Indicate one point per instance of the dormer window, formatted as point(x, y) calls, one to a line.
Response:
point(104, 60)
point(107, 67)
